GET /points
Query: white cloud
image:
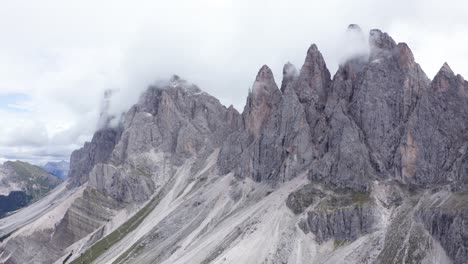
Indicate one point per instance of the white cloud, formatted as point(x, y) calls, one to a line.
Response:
point(64, 54)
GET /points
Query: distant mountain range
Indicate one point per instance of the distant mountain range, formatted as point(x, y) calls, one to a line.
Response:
point(59, 169)
point(22, 183)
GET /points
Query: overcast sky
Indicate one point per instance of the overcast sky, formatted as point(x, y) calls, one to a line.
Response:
point(57, 57)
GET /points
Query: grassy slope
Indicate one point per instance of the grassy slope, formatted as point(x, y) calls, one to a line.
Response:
point(105, 243)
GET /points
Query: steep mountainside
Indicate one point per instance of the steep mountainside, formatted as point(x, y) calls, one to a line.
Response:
point(22, 183)
point(367, 166)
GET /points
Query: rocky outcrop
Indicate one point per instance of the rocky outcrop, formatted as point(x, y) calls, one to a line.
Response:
point(434, 146)
point(341, 224)
point(445, 218)
point(263, 98)
point(343, 217)
point(300, 199)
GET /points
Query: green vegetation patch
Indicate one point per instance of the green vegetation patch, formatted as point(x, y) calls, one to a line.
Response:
point(339, 242)
point(143, 172)
point(457, 201)
point(107, 242)
point(346, 200)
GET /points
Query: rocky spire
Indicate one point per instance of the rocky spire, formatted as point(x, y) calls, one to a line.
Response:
point(446, 80)
point(263, 96)
point(381, 44)
point(380, 95)
point(264, 82)
point(445, 70)
point(439, 123)
point(405, 56)
point(314, 78)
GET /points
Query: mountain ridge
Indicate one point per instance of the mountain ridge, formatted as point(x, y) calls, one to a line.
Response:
point(367, 166)
point(59, 169)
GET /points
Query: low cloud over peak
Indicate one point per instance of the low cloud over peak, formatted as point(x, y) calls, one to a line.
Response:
point(59, 58)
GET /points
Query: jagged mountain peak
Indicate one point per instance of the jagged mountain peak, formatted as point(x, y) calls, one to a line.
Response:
point(264, 82)
point(446, 69)
point(381, 40)
point(314, 78)
point(314, 56)
point(262, 98)
point(264, 74)
point(405, 56)
point(446, 80)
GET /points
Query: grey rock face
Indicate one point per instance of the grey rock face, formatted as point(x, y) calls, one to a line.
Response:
point(434, 145)
point(447, 222)
point(277, 140)
point(262, 100)
point(343, 217)
point(341, 224)
point(279, 149)
point(346, 162)
point(314, 79)
point(97, 151)
point(183, 121)
point(177, 119)
point(385, 92)
point(370, 102)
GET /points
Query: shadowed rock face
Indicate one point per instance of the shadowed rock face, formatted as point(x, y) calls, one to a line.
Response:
point(434, 148)
point(97, 151)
